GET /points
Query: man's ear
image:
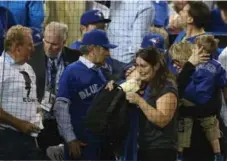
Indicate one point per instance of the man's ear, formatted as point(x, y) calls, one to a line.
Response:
point(82, 29)
point(91, 48)
point(15, 48)
point(190, 20)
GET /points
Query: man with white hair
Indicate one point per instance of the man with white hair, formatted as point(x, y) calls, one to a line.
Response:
point(49, 64)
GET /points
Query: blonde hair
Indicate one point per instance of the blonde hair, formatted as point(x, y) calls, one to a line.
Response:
point(15, 36)
point(181, 51)
point(208, 42)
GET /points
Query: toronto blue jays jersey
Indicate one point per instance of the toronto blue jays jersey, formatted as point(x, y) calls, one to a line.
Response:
point(78, 85)
point(206, 78)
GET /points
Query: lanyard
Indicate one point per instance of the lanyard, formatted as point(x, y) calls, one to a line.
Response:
point(49, 69)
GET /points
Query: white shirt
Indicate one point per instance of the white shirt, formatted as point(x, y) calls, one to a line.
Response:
point(223, 60)
point(130, 22)
point(15, 98)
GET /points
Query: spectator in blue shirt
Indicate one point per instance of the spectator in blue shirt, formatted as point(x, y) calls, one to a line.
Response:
point(196, 17)
point(27, 13)
point(92, 19)
point(77, 88)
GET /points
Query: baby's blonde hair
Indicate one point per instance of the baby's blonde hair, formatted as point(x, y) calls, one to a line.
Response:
point(208, 42)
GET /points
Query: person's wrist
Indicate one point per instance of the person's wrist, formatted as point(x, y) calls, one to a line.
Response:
point(192, 62)
point(140, 101)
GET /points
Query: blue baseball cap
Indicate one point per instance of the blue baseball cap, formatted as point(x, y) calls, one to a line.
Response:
point(153, 40)
point(93, 16)
point(97, 37)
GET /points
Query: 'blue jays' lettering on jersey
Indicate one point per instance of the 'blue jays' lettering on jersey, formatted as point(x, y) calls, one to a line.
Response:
point(87, 92)
point(206, 78)
point(79, 84)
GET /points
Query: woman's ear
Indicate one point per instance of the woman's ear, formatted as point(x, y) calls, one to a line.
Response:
point(190, 20)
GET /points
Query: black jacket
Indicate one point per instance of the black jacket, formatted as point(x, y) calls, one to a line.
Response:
point(39, 62)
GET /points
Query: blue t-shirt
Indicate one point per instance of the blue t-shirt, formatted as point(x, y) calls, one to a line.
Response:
point(79, 85)
point(206, 78)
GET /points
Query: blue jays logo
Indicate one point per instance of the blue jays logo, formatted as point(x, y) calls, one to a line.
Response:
point(154, 41)
point(98, 13)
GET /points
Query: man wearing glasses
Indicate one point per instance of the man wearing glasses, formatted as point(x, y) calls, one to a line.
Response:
point(49, 63)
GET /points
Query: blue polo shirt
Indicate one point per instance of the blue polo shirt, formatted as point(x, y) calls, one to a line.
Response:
point(78, 85)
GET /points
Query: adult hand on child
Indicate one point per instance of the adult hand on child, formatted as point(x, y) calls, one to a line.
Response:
point(198, 57)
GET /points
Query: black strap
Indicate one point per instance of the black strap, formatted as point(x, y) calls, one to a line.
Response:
point(115, 99)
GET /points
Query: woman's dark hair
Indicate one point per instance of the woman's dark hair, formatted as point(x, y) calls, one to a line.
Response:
point(153, 57)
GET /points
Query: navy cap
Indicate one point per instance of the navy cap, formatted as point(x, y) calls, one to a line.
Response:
point(153, 40)
point(97, 37)
point(93, 16)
